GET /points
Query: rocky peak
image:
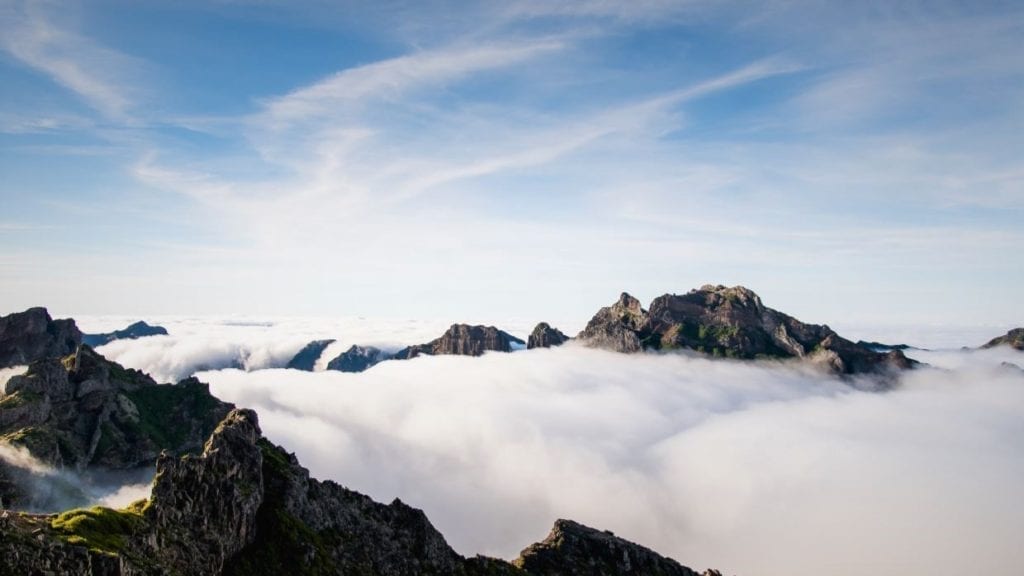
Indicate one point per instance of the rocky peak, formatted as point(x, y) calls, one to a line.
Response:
point(357, 359)
point(139, 329)
point(572, 549)
point(620, 327)
point(463, 340)
point(1014, 339)
point(306, 358)
point(32, 335)
point(730, 322)
point(735, 296)
point(203, 508)
point(544, 336)
point(84, 411)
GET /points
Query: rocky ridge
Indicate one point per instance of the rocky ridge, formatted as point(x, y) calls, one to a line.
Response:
point(730, 322)
point(131, 332)
point(84, 411)
point(357, 359)
point(463, 340)
point(1014, 339)
point(245, 506)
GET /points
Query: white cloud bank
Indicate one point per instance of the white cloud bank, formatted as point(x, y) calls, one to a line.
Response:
point(752, 469)
point(196, 343)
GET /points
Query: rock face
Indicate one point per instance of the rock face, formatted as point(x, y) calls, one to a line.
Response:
point(306, 358)
point(137, 330)
point(357, 359)
point(622, 327)
point(463, 340)
point(544, 336)
point(572, 549)
point(32, 335)
point(245, 506)
point(730, 322)
point(1014, 339)
point(85, 411)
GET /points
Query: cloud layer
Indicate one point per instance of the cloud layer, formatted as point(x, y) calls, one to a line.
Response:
point(755, 469)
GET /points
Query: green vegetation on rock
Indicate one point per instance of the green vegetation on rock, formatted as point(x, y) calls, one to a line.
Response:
point(98, 528)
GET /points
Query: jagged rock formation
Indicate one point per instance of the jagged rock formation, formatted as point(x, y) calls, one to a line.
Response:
point(357, 359)
point(306, 358)
point(729, 322)
point(137, 330)
point(245, 506)
point(572, 549)
point(85, 411)
point(622, 327)
point(32, 335)
point(463, 340)
point(1014, 339)
point(544, 336)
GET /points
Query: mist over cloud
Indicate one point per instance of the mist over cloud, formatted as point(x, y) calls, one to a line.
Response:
point(50, 489)
point(755, 469)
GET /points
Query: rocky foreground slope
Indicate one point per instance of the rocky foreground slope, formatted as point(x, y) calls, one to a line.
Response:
point(246, 507)
point(729, 322)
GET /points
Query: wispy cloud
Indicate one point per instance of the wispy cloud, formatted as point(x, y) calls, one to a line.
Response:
point(91, 71)
point(389, 79)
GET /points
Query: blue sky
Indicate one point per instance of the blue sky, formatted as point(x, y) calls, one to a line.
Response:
point(851, 162)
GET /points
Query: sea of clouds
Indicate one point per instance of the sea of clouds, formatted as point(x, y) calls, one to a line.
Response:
point(752, 468)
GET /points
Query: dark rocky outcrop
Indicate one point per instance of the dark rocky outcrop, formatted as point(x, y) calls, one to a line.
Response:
point(245, 506)
point(137, 330)
point(730, 322)
point(544, 336)
point(1014, 339)
point(357, 359)
point(463, 340)
point(84, 411)
point(880, 347)
point(32, 335)
point(306, 358)
point(572, 549)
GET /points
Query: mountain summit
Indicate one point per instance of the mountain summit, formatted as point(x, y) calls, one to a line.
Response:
point(729, 322)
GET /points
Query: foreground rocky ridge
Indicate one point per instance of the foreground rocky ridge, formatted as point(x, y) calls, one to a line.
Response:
point(733, 323)
point(245, 506)
point(84, 412)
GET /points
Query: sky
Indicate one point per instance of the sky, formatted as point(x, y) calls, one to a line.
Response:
point(852, 162)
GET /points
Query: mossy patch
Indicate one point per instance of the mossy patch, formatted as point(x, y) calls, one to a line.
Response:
point(98, 528)
point(19, 398)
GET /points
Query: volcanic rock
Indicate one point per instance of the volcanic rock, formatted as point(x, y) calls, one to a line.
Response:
point(137, 330)
point(1014, 339)
point(306, 358)
point(32, 335)
point(544, 336)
